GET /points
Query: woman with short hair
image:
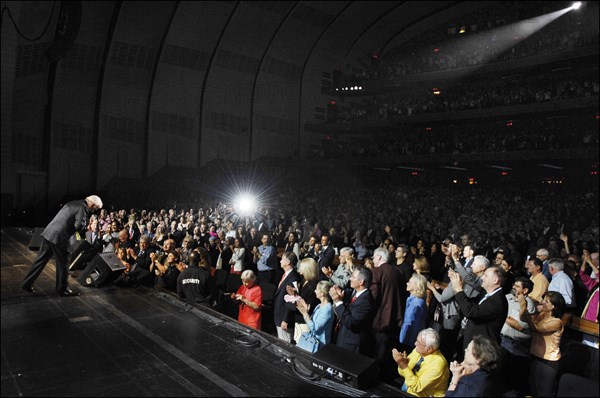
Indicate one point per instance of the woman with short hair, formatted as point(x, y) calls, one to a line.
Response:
point(474, 376)
point(250, 297)
point(416, 312)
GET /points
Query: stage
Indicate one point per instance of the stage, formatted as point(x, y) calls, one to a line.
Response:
point(113, 341)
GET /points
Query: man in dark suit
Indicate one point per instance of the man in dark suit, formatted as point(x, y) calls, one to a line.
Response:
point(355, 313)
point(468, 253)
point(284, 319)
point(71, 219)
point(386, 290)
point(404, 263)
point(133, 230)
point(141, 260)
point(325, 254)
point(486, 313)
point(94, 236)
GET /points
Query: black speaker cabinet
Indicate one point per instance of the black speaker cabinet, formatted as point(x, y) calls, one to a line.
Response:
point(103, 269)
point(36, 240)
point(80, 254)
point(346, 366)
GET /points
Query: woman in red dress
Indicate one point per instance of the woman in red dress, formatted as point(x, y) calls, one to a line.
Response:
point(250, 297)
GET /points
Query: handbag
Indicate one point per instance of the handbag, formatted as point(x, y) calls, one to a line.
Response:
point(308, 342)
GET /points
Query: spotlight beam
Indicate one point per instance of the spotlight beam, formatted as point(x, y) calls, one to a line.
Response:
point(502, 38)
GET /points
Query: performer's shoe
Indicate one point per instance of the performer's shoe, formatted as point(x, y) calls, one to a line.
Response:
point(28, 289)
point(68, 293)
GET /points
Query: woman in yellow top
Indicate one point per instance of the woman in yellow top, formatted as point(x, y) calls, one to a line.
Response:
point(546, 331)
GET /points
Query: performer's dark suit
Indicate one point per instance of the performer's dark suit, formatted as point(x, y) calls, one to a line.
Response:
point(73, 217)
point(280, 312)
point(355, 324)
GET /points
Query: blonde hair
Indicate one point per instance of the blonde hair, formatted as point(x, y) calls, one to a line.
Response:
point(309, 269)
point(420, 284)
point(324, 287)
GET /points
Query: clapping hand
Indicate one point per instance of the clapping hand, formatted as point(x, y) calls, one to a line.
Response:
point(302, 307)
point(457, 283)
point(400, 358)
point(336, 293)
point(446, 250)
point(457, 369)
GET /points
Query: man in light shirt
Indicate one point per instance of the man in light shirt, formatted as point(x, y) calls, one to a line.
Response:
point(516, 336)
point(561, 282)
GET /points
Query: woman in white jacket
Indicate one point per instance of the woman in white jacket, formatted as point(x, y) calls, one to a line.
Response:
point(238, 256)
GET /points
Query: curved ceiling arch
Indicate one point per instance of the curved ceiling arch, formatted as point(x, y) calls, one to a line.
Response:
point(374, 23)
point(259, 69)
point(160, 50)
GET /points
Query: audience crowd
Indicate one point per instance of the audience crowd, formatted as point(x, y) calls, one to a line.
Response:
point(487, 38)
point(476, 92)
point(579, 132)
point(480, 249)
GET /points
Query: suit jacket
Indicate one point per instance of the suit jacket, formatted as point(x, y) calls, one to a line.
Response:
point(73, 217)
point(469, 263)
point(135, 237)
point(144, 260)
point(97, 243)
point(486, 318)
point(307, 292)
point(355, 320)
point(140, 269)
point(477, 384)
point(325, 257)
point(386, 289)
point(280, 312)
point(472, 286)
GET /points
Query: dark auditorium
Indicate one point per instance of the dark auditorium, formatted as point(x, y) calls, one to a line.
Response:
point(300, 198)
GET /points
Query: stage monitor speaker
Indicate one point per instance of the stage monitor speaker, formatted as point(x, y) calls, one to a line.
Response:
point(103, 269)
point(80, 254)
point(346, 366)
point(36, 240)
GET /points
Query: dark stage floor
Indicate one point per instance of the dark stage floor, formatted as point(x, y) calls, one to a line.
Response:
point(114, 341)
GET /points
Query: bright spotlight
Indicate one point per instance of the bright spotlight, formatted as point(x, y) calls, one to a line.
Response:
point(576, 5)
point(245, 204)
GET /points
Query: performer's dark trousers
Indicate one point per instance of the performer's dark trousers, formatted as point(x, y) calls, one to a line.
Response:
point(47, 250)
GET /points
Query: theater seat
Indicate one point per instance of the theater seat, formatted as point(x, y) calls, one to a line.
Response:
point(268, 294)
point(233, 283)
point(221, 278)
point(570, 385)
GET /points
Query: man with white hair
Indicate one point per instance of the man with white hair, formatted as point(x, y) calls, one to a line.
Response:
point(71, 220)
point(561, 282)
point(543, 255)
point(425, 370)
point(386, 289)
